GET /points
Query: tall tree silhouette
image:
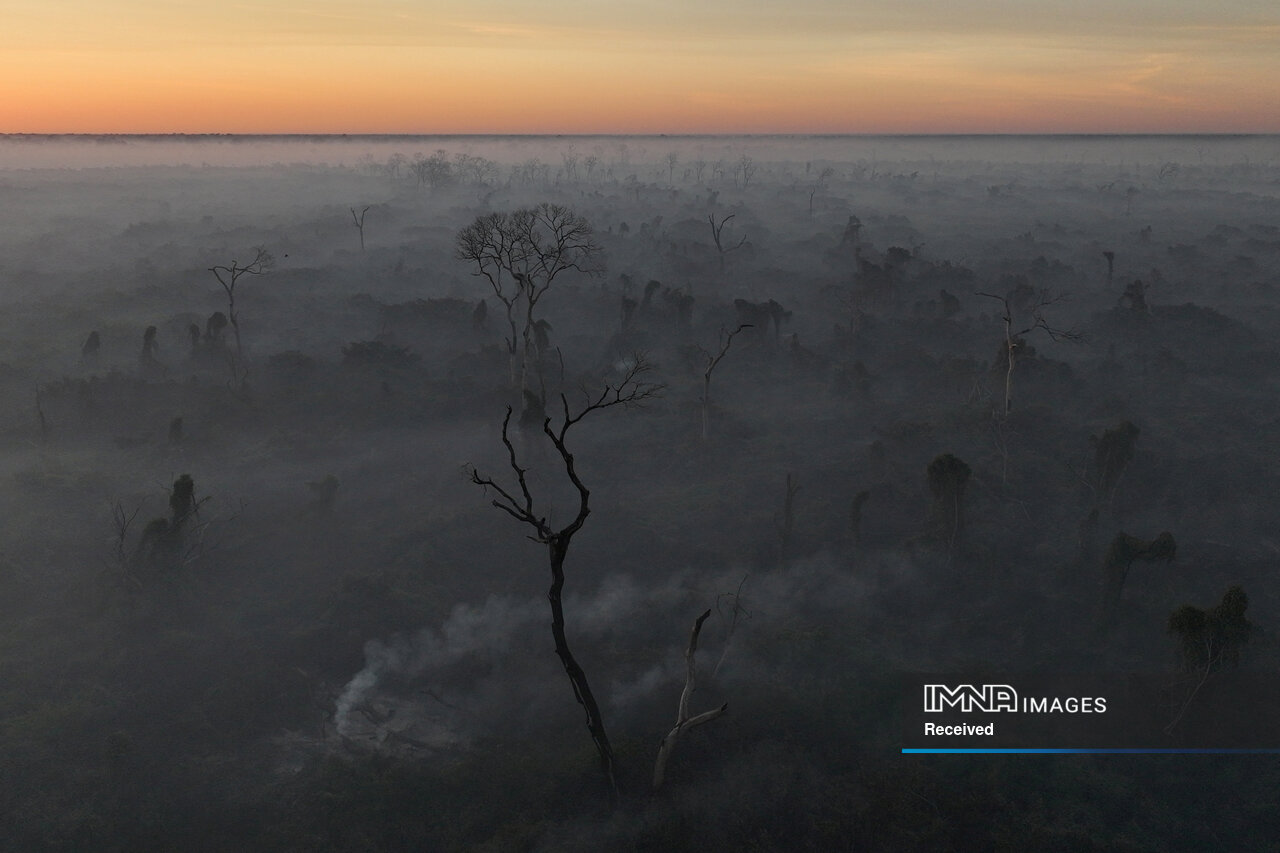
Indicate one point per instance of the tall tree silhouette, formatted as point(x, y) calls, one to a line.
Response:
point(518, 502)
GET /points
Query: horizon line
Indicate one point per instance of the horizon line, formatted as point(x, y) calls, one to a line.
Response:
point(646, 134)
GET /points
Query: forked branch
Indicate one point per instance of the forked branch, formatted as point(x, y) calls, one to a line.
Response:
point(717, 230)
point(518, 503)
point(710, 362)
point(683, 721)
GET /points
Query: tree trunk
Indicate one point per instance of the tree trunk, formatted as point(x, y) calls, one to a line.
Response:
point(581, 689)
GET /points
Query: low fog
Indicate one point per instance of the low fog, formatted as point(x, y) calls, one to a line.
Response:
point(274, 569)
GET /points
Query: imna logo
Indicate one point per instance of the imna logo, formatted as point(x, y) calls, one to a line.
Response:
point(967, 698)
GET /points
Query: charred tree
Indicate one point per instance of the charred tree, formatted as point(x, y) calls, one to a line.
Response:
point(1113, 451)
point(229, 276)
point(1124, 551)
point(148, 362)
point(169, 543)
point(1135, 296)
point(358, 221)
point(89, 352)
point(717, 235)
point(518, 502)
point(521, 254)
point(709, 365)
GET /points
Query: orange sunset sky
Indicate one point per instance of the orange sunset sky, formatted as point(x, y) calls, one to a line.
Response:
point(660, 66)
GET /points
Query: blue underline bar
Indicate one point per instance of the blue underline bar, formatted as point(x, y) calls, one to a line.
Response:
point(1089, 751)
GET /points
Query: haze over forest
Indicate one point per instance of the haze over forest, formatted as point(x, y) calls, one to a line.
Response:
point(282, 414)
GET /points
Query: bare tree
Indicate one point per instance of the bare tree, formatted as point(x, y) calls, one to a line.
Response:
point(683, 721)
point(118, 575)
point(1014, 342)
point(717, 230)
point(229, 276)
point(787, 526)
point(819, 185)
point(359, 222)
point(726, 341)
point(672, 160)
point(520, 254)
point(734, 613)
point(518, 502)
point(168, 544)
point(570, 160)
point(745, 170)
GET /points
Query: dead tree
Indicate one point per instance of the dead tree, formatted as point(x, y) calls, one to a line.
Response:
point(117, 576)
point(229, 277)
point(147, 357)
point(849, 237)
point(214, 326)
point(717, 231)
point(359, 223)
point(167, 544)
point(734, 613)
point(672, 160)
point(683, 721)
point(89, 352)
point(1113, 451)
point(518, 503)
point(1015, 342)
point(1125, 550)
point(819, 185)
point(726, 341)
point(520, 254)
point(1135, 296)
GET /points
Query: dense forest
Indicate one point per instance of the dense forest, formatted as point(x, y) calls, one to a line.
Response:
point(380, 494)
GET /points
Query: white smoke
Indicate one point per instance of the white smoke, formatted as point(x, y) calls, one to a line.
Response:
point(484, 634)
point(378, 660)
point(624, 694)
point(484, 660)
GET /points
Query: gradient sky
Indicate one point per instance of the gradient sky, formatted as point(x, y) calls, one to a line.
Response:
point(625, 66)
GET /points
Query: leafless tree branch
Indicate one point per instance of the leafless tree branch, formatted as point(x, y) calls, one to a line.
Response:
point(683, 721)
